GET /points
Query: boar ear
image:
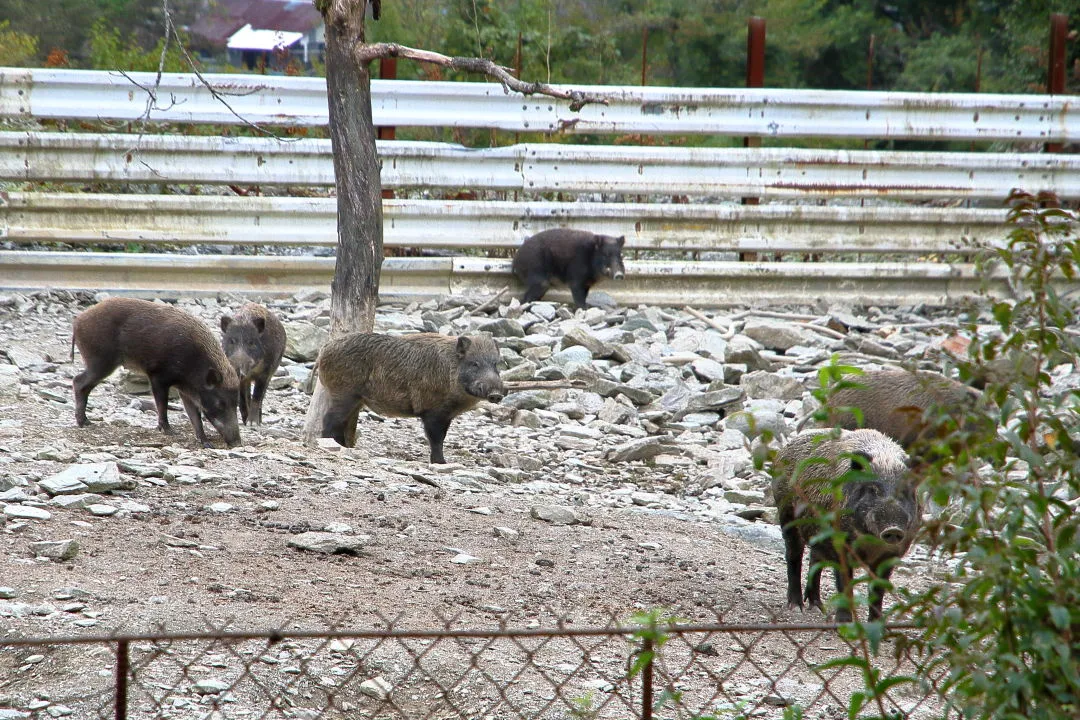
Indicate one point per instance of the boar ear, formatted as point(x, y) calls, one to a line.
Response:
point(598, 240)
point(213, 378)
point(860, 460)
point(225, 322)
point(621, 240)
point(260, 324)
point(463, 343)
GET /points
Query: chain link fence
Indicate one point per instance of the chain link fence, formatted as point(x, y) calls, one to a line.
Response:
point(646, 669)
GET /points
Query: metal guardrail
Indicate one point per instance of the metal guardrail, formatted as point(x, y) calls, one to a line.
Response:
point(539, 168)
point(78, 218)
point(702, 284)
point(780, 113)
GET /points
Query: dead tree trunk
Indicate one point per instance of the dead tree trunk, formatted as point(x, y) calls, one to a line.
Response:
point(355, 288)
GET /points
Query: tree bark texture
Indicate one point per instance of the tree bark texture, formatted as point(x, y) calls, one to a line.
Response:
point(355, 287)
point(354, 291)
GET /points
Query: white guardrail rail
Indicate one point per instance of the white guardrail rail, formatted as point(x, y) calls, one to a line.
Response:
point(448, 225)
point(769, 173)
point(768, 112)
point(803, 179)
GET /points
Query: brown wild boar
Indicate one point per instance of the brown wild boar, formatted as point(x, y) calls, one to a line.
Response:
point(426, 375)
point(171, 348)
point(880, 515)
point(254, 341)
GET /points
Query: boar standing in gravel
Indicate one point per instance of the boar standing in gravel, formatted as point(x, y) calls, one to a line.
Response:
point(577, 258)
point(171, 348)
point(254, 341)
point(880, 511)
point(896, 402)
point(426, 375)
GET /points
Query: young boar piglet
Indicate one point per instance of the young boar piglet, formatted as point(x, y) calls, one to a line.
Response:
point(254, 341)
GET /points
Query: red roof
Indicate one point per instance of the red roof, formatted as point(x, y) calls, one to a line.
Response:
point(225, 17)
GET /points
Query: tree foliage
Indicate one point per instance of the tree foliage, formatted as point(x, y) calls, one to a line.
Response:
point(918, 45)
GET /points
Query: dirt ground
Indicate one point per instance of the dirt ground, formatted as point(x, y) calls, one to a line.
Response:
point(171, 562)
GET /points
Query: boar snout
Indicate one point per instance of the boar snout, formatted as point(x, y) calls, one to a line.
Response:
point(495, 396)
point(893, 535)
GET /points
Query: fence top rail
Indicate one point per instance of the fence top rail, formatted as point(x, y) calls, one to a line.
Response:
point(277, 635)
point(767, 112)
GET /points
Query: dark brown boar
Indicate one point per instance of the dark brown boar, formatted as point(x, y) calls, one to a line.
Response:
point(896, 403)
point(426, 375)
point(880, 511)
point(576, 257)
point(171, 348)
point(254, 341)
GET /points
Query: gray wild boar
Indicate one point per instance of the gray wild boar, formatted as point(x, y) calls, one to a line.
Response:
point(426, 375)
point(171, 348)
point(880, 515)
point(254, 341)
point(895, 402)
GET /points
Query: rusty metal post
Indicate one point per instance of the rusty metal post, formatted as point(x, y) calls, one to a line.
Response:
point(122, 670)
point(644, 53)
point(387, 71)
point(647, 680)
point(1055, 77)
point(755, 78)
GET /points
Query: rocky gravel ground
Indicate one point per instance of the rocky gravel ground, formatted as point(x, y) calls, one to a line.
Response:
point(575, 505)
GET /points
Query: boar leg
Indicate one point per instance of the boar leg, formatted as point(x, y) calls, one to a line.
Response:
point(335, 422)
point(843, 580)
point(96, 371)
point(195, 416)
point(245, 393)
point(535, 287)
point(877, 594)
point(813, 580)
point(579, 291)
point(258, 392)
point(161, 402)
point(436, 424)
point(793, 554)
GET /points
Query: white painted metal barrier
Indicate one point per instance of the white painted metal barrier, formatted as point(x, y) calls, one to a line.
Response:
point(704, 284)
point(82, 218)
point(780, 113)
point(539, 168)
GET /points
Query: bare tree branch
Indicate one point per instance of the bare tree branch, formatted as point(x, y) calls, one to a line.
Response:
point(367, 52)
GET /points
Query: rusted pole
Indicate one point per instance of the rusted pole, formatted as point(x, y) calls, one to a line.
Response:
point(122, 671)
point(647, 680)
point(1055, 78)
point(387, 71)
point(755, 78)
point(644, 53)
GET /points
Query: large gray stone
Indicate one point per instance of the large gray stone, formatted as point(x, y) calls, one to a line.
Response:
point(754, 421)
point(640, 449)
point(572, 355)
point(528, 399)
point(303, 340)
point(330, 543)
point(10, 384)
point(714, 400)
point(707, 370)
point(58, 550)
point(84, 478)
point(761, 384)
point(556, 514)
point(580, 336)
point(745, 351)
point(779, 335)
point(503, 327)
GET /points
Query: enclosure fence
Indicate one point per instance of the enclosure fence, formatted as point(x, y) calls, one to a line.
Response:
point(617, 670)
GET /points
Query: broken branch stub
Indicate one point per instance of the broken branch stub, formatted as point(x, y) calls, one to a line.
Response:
point(366, 52)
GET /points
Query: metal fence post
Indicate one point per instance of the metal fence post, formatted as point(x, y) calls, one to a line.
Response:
point(647, 680)
point(1055, 74)
point(122, 670)
point(755, 78)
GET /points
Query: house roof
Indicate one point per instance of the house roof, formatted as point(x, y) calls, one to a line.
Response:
point(225, 17)
point(247, 38)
